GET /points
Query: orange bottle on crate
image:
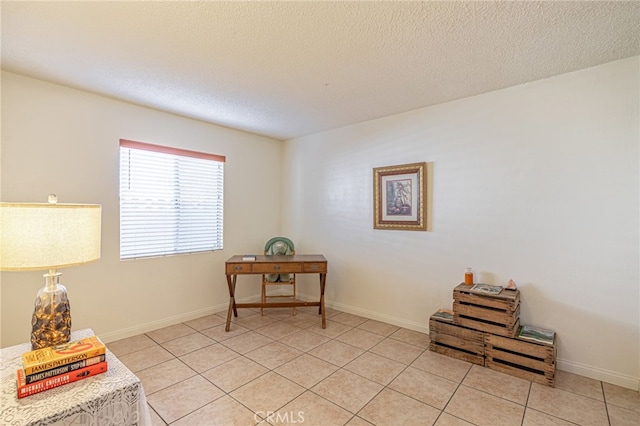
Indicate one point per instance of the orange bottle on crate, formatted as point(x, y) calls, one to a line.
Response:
point(468, 276)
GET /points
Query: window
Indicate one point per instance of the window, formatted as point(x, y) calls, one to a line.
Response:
point(170, 200)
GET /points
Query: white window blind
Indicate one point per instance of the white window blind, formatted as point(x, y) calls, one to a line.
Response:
point(171, 200)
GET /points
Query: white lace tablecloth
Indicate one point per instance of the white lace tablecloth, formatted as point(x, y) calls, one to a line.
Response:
point(112, 398)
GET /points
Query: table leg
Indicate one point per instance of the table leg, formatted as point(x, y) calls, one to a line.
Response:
point(321, 310)
point(235, 309)
point(231, 282)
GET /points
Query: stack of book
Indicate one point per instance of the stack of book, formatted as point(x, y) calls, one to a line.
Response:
point(537, 334)
point(48, 368)
point(486, 289)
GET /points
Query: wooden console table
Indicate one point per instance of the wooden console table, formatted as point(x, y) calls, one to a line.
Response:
point(296, 264)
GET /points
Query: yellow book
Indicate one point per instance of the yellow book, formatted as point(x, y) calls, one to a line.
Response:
point(56, 356)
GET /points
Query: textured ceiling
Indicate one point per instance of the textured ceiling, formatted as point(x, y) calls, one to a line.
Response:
point(288, 69)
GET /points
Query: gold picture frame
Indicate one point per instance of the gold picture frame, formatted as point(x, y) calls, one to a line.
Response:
point(399, 197)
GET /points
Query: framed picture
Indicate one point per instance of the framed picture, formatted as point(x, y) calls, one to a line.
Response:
point(399, 194)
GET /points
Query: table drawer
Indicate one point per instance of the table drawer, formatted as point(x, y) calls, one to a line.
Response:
point(238, 268)
point(276, 268)
point(315, 267)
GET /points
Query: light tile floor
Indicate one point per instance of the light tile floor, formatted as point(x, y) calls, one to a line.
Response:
point(283, 369)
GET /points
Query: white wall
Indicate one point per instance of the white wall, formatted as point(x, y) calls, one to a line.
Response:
point(538, 183)
point(64, 141)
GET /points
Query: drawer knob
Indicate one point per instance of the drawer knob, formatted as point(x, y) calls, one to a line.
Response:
point(314, 267)
point(238, 268)
point(276, 267)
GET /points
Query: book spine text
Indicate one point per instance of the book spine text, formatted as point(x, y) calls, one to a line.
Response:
point(54, 357)
point(25, 389)
point(36, 377)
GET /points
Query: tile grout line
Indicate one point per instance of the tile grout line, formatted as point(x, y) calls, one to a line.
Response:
point(335, 338)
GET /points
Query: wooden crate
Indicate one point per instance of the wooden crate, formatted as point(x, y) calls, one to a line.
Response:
point(498, 314)
point(521, 358)
point(459, 342)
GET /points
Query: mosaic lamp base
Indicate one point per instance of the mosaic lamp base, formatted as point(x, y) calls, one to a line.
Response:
point(51, 321)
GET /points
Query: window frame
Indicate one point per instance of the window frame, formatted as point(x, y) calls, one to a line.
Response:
point(187, 207)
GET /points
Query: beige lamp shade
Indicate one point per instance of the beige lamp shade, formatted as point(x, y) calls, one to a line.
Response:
point(39, 236)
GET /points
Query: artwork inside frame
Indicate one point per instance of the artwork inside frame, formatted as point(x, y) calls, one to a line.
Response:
point(399, 197)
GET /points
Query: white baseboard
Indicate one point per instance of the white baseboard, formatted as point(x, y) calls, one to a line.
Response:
point(601, 374)
point(607, 376)
point(166, 322)
point(400, 322)
point(591, 372)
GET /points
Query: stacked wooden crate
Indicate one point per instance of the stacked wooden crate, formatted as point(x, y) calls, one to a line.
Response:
point(456, 341)
point(499, 314)
point(521, 358)
point(483, 330)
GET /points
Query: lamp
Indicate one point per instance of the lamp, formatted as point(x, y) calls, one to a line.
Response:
point(41, 236)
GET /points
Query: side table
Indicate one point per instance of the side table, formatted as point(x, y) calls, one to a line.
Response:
point(112, 398)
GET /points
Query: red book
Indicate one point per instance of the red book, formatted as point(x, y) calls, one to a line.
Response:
point(25, 389)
